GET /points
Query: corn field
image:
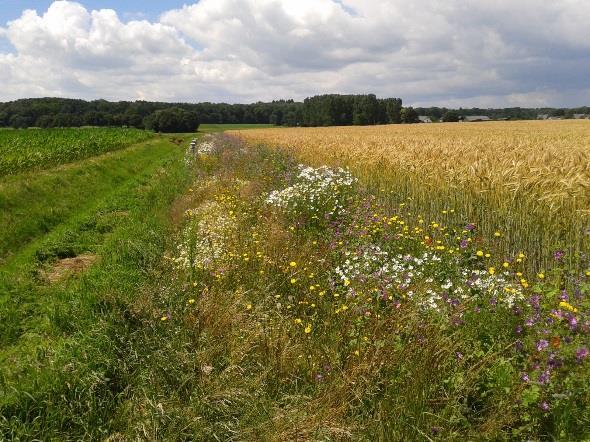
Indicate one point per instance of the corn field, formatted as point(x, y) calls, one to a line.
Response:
point(26, 149)
point(525, 183)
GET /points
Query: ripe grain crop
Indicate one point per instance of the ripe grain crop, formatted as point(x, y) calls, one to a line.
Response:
point(530, 180)
point(28, 149)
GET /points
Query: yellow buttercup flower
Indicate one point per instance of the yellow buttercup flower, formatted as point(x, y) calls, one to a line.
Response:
point(308, 329)
point(293, 264)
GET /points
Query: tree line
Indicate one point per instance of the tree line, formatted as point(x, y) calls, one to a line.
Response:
point(324, 110)
point(64, 112)
point(319, 110)
point(509, 113)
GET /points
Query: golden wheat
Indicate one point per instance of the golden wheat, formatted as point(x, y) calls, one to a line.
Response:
point(530, 180)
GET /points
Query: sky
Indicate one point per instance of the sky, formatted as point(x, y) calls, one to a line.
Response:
point(500, 53)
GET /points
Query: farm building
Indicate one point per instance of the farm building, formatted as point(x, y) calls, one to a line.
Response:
point(543, 117)
point(473, 118)
point(424, 119)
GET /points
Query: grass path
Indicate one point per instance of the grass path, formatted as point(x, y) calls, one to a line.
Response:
point(60, 341)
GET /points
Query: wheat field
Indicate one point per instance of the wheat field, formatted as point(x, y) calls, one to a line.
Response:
point(528, 180)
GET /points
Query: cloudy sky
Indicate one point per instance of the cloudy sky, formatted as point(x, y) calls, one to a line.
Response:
point(429, 52)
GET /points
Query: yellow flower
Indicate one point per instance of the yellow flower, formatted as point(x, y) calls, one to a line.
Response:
point(357, 353)
point(541, 275)
point(497, 234)
point(311, 288)
point(488, 255)
point(492, 270)
point(506, 265)
point(568, 306)
point(191, 301)
point(479, 253)
point(293, 280)
point(308, 329)
point(249, 307)
point(346, 282)
point(587, 272)
point(293, 264)
point(521, 255)
point(298, 321)
point(164, 318)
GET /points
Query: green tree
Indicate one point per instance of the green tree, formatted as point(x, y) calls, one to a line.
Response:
point(172, 120)
point(409, 115)
point(451, 116)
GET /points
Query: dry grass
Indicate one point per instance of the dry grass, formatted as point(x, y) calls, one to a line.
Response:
point(69, 267)
point(530, 180)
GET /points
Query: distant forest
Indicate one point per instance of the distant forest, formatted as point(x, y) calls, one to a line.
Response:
point(320, 110)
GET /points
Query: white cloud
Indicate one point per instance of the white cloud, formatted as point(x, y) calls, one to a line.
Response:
point(457, 52)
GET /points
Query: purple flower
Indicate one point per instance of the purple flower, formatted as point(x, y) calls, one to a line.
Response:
point(553, 361)
point(518, 329)
point(525, 377)
point(459, 355)
point(463, 244)
point(558, 255)
point(582, 353)
point(544, 406)
point(542, 344)
point(564, 296)
point(471, 227)
point(557, 313)
point(573, 322)
point(544, 377)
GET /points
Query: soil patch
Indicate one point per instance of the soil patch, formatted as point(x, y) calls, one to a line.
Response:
point(68, 266)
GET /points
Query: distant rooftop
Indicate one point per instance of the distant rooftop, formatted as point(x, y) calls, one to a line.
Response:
point(477, 118)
